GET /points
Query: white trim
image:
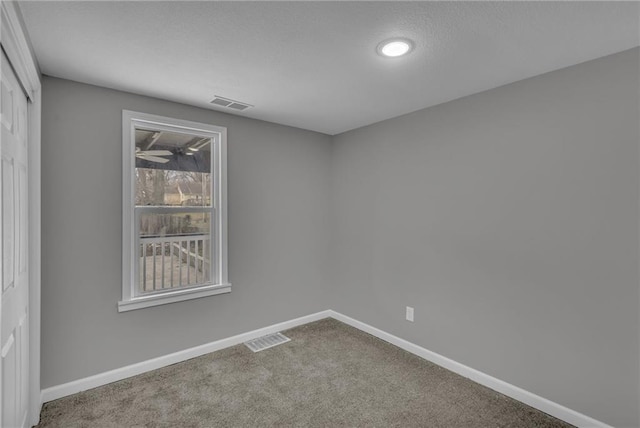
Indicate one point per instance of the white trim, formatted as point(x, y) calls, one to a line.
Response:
point(172, 296)
point(15, 43)
point(35, 233)
point(219, 283)
point(223, 243)
point(533, 400)
point(128, 192)
point(76, 386)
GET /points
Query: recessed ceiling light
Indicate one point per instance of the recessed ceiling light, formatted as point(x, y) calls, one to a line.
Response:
point(395, 47)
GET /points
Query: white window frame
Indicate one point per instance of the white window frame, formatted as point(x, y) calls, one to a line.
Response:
point(220, 281)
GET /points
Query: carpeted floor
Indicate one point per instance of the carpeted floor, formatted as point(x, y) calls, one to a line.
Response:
point(329, 375)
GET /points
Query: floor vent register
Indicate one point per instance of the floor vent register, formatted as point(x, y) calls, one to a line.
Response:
point(266, 342)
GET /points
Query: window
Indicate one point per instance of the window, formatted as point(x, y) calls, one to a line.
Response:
point(174, 240)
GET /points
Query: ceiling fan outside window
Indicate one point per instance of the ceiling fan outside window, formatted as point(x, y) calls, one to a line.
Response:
point(153, 155)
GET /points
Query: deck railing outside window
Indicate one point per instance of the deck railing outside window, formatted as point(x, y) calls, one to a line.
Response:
point(174, 262)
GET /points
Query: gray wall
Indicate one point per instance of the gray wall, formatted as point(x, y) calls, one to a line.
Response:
point(278, 240)
point(509, 220)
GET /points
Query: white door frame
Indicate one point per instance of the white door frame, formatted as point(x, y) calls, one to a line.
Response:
point(15, 43)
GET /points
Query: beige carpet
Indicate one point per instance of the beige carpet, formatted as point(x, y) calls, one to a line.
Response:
point(329, 375)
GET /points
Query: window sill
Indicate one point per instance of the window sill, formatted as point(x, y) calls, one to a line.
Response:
point(172, 297)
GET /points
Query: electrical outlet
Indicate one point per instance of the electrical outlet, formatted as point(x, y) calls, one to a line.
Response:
point(409, 313)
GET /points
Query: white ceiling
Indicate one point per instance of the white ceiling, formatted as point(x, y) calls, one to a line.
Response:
point(314, 65)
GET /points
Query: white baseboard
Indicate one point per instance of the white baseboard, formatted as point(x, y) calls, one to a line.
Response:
point(100, 379)
point(533, 400)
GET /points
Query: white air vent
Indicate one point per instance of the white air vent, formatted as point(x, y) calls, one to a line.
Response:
point(266, 342)
point(238, 106)
point(221, 102)
point(226, 102)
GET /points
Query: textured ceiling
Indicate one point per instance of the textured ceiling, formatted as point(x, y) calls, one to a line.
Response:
point(313, 65)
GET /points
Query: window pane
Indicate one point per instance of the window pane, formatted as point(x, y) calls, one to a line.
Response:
point(156, 187)
point(172, 169)
point(174, 224)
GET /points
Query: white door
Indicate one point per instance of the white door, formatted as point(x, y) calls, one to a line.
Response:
point(14, 295)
